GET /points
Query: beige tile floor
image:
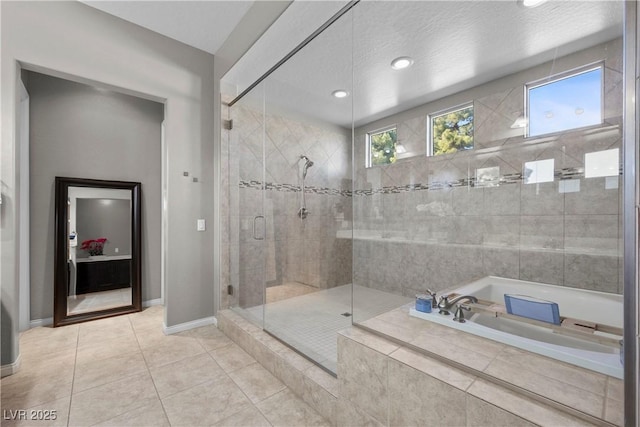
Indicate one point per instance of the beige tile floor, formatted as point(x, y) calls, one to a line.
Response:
point(123, 371)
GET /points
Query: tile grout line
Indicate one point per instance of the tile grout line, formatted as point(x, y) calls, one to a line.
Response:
point(111, 357)
point(259, 364)
point(135, 333)
point(207, 352)
point(194, 385)
point(111, 382)
point(275, 394)
point(606, 397)
point(73, 377)
point(236, 384)
point(243, 392)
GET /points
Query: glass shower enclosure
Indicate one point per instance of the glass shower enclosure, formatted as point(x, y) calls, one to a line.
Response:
point(354, 186)
point(290, 201)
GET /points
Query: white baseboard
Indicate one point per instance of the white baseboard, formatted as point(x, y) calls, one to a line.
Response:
point(170, 330)
point(49, 320)
point(11, 369)
point(152, 302)
point(41, 322)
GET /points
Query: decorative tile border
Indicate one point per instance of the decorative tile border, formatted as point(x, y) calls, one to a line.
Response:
point(257, 185)
point(513, 178)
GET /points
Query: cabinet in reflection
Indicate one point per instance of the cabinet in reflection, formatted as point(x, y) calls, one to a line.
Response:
point(103, 275)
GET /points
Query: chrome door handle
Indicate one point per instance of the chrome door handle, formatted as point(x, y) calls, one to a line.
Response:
point(256, 218)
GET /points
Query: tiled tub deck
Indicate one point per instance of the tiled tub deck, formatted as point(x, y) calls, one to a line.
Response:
point(496, 383)
point(390, 382)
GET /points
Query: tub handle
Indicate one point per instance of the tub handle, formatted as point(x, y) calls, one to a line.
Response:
point(459, 316)
point(434, 299)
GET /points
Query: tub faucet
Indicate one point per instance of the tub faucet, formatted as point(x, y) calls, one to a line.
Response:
point(445, 304)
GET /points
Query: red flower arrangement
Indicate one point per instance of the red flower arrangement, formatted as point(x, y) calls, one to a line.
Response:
point(94, 246)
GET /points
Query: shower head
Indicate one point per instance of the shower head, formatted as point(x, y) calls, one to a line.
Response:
point(307, 164)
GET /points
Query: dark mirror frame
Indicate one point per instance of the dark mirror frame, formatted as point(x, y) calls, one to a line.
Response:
point(61, 271)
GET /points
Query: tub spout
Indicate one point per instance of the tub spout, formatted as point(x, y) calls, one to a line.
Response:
point(445, 304)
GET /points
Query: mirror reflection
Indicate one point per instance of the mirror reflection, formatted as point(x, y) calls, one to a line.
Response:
point(99, 249)
point(97, 257)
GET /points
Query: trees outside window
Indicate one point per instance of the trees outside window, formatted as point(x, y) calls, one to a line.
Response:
point(451, 131)
point(382, 147)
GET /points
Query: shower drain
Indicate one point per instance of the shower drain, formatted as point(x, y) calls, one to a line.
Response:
point(346, 314)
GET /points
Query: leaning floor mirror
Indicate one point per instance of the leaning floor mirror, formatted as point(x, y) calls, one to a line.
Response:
point(97, 249)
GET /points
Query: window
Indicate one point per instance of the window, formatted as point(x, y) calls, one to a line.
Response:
point(567, 102)
point(450, 131)
point(381, 147)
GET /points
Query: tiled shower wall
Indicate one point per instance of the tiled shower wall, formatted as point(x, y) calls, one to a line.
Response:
point(425, 223)
point(294, 250)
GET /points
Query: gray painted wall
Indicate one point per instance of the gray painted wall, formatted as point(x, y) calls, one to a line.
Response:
point(96, 219)
point(84, 132)
point(88, 45)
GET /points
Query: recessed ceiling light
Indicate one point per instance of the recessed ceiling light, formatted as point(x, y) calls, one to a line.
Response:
point(340, 93)
point(401, 62)
point(531, 3)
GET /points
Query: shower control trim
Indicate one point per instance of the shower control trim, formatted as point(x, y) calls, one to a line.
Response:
point(303, 213)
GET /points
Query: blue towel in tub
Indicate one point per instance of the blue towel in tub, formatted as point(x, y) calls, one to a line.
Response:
point(532, 308)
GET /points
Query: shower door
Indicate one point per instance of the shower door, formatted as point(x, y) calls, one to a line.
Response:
point(247, 233)
point(307, 203)
point(290, 250)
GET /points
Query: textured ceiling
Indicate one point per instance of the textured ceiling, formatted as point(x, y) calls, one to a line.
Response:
point(202, 24)
point(456, 45)
point(295, 24)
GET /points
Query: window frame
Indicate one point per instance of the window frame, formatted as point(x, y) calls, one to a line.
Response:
point(436, 114)
point(369, 134)
point(559, 77)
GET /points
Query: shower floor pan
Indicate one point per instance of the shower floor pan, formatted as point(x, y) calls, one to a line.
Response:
point(310, 323)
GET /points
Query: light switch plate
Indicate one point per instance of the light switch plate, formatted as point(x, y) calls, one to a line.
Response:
point(201, 225)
